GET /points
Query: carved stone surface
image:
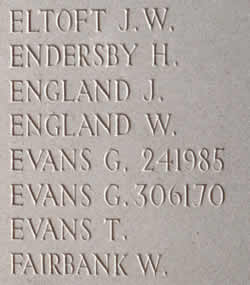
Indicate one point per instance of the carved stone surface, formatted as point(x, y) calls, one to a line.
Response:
point(124, 148)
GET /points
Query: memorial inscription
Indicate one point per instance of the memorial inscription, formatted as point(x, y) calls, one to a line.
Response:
point(117, 153)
